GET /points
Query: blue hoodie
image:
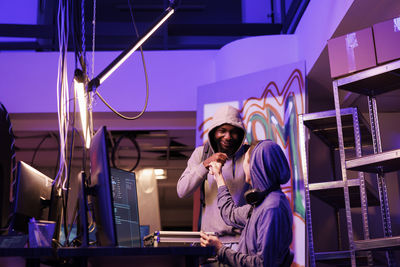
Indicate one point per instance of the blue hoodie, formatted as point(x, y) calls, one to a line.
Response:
point(267, 234)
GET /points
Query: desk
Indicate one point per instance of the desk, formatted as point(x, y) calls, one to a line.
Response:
point(25, 256)
point(104, 256)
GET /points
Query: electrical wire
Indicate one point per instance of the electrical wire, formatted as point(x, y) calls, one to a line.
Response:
point(66, 192)
point(62, 177)
point(93, 37)
point(75, 215)
point(82, 58)
point(38, 147)
point(84, 69)
point(62, 88)
point(58, 153)
point(146, 78)
point(91, 94)
point(115, 149)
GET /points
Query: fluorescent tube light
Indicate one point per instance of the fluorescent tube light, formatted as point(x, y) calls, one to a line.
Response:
point(79, 87)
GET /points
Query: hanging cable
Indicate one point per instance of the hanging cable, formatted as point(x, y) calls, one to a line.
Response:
point(58, 152)
point(81, 57)
point(66, 192)
point(62, 87)
point(93, 37)
point(91, 93)
point(38, 147)
point(145, 73)
point(84, 69)
point(115, 150)
point(62, 95)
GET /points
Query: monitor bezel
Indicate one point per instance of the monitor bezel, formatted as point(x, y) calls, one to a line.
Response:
point(101, 197)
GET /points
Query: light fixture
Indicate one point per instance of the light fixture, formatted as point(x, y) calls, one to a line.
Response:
point(160, 174)
point(99, 79)
point(79, 87)
point(80, 79)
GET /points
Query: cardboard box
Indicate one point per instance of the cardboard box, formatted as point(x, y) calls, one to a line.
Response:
point(387, 40)
point(351, 52)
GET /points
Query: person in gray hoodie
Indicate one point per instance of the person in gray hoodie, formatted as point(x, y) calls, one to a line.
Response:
point(226, 145)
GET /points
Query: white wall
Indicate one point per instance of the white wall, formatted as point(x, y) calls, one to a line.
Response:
point(254, 54)
point(317, 25)
point(29, 80)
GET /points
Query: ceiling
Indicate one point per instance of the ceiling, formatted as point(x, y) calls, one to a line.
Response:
point(197, 24)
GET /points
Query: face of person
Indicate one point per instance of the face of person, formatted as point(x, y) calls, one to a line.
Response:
point(227, 138)
point(246, 167)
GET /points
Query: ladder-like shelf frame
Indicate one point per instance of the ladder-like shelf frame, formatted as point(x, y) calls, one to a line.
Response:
point(371, 82)
point(323, 124)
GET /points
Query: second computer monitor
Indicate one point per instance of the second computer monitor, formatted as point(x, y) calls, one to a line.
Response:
point(32, 196)
point(113, 198)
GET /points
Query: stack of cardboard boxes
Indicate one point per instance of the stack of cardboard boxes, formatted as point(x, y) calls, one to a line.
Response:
point(365, 48)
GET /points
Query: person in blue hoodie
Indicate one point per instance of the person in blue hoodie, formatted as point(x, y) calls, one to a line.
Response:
point(267, 228)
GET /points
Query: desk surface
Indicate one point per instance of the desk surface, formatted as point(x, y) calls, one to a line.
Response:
point(110, 256)
point(27, 252)
point(146, 251)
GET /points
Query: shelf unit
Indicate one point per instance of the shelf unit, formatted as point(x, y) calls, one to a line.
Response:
point(337, 193)
point(371, 83)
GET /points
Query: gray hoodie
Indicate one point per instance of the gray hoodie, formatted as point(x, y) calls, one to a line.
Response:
point(195, 173)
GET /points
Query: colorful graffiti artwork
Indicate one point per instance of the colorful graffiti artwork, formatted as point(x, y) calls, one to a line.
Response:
point(263, 119)
point(274, 115)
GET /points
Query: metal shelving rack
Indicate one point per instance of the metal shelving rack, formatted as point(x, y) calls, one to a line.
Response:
point(338, 193)
point(371, 82)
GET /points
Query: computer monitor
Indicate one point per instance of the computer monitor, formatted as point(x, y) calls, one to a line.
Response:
point(126, 211)
point(113, 198)
point(32, 197)
point(5, 167)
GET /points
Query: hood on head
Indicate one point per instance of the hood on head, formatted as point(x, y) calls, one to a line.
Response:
point(268, 166)
point(226, 115)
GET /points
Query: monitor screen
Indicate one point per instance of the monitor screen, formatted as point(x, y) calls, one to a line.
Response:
point(125, 205)
point(32, 195)
point(113, 198)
